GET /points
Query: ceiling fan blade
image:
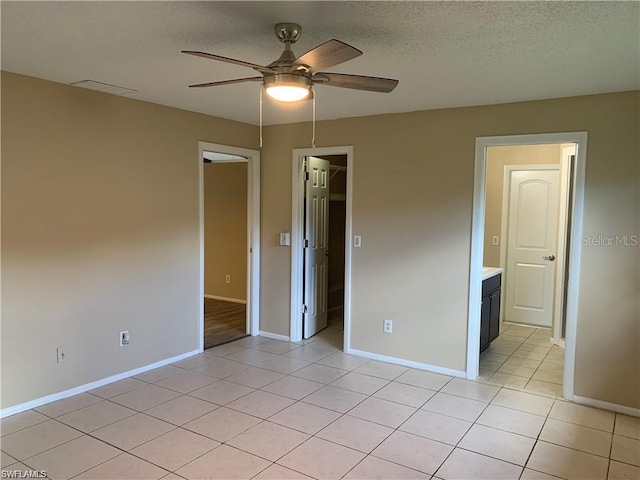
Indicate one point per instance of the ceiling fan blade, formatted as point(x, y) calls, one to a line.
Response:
point(328, 54)
point(227, 82)
point(211, 56)
point(357, 82)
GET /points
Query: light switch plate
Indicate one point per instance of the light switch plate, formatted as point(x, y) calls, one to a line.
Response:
point(496, 240)
point(285, 238)
point(357, 241)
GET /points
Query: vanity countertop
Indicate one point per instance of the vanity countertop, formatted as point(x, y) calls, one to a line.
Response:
point(488, 272)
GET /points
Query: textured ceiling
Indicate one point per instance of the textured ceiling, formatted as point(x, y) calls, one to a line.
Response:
point(445, 54)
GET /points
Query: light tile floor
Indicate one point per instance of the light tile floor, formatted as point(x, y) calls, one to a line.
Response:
point(523, 357)
point(264, 409)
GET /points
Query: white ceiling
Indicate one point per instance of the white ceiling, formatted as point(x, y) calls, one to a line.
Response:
point(445, 54)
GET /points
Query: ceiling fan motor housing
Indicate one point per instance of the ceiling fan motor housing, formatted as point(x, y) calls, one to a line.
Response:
point(288, 32)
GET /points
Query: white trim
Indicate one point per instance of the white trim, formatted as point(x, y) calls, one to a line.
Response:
point(297, 192)
point(476, 261)
point(253, 232)
point(223, 157)
point(38, 402)
point(561, 260)
point(614, 407)
point(504, 225)
point(407, 363)
point(200, 247)
point(225, 299)
point(477, 244)
point(575, 251)
point(253, 226)
point(274, 336)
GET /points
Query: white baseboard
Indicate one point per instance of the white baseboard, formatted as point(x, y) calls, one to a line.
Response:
point(274, 336)
point(38, 402)
point(408, 363)
point(614, 407)
point(225, 299)
point(558, 342)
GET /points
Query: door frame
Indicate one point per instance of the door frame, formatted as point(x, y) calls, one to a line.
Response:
point(504, 230)
point(253, 234)
point(297, 229)
point(565, 185)
point(477, 245)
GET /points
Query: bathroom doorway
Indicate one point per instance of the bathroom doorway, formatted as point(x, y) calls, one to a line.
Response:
point(518, 194)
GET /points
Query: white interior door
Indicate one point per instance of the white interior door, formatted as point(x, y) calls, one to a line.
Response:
point(316, 262)
point(531, 250)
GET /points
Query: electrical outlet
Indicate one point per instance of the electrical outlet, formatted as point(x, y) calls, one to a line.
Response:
point(496, 240)
point(387, 326)
point(62, 354)
point(124, 338)
point(227, 278)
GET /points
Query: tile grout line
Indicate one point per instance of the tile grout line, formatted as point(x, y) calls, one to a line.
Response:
point(541, 362)
point(462, 437)
point(538, 438)
point(615, 421)
point(535, 370)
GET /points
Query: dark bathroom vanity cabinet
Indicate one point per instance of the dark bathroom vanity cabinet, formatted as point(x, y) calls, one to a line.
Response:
point(490, 311)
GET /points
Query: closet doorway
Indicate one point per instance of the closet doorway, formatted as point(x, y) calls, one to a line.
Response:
point(321, 246)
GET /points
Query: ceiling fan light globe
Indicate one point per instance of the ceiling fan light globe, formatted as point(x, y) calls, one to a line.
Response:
point(287, 93)
point(288, 87)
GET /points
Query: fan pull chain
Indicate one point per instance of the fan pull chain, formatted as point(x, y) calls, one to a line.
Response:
point(313, 128)
point(260, 117)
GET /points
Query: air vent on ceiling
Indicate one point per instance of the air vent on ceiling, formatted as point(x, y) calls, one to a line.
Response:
point(104, 87)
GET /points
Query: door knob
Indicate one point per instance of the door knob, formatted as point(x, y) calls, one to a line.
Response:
point(551, 258)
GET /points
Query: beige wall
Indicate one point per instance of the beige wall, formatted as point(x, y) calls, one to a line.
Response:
point(225, 233)
point(100, 224)
point(497, 158)
point(100, 232)
point(412, 202)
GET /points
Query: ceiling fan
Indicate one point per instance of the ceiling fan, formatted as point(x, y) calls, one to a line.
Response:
point(291, 78)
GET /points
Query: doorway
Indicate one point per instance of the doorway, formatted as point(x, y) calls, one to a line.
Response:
point(321, 246)
point(225, 253)
point(229, 199)
point(514, 337)
point(323, 267)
